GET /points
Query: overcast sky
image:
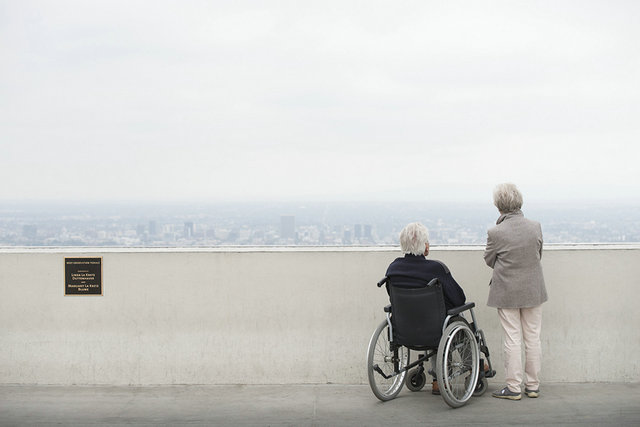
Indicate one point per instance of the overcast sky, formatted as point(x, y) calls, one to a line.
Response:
point(276, 100)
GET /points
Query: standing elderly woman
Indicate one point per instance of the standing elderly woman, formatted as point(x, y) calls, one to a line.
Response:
point(514, 250)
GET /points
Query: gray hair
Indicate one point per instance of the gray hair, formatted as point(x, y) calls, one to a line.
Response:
point(507, 198)
point(413, 239)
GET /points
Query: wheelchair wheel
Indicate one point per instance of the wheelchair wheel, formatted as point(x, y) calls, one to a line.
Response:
point(482, 384)
point(481, 387)
point(381, 354)
point(416, 380)
point(457, 367)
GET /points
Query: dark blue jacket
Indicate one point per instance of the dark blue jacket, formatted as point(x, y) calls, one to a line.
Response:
point(416, 271)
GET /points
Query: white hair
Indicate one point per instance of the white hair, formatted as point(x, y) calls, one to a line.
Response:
point(507, 198)
point(413, 239)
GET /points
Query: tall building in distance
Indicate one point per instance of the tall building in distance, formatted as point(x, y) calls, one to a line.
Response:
point(189, 229)
point(367, 232)
point(346, 239)
point(287, 227)
point(357, 231)
point(153, 228)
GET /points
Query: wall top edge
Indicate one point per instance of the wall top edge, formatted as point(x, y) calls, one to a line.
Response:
point(276, 249)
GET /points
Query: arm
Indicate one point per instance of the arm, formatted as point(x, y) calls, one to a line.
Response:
point(452, 291)
point(541, 240)
point(490, 252)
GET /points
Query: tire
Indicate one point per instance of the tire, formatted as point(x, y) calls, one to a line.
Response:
point(416, 380)
point(482, 384)
point(481, 387)
point(457, 367)
point(379, 353)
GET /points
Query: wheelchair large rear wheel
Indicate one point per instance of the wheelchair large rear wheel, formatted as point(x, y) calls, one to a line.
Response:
point(389, 359)
point(457, 367)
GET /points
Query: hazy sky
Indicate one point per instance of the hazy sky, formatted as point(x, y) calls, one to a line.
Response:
point(366, 100)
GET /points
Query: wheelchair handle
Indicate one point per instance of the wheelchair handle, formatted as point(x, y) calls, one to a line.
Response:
point(383, 281)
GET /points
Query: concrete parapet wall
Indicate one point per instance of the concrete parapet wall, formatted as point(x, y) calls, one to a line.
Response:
point(278, 316)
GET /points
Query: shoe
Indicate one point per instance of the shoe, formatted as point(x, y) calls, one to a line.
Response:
point(435, 389)
point(505, 393)
point(532, 393)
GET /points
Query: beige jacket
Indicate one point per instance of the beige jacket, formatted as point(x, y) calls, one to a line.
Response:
point(514, 250)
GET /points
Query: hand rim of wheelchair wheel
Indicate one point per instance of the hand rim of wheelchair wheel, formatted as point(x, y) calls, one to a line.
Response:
point(458, 356)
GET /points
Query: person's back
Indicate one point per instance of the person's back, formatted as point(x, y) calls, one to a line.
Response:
point(514, 251)
point(416, 271)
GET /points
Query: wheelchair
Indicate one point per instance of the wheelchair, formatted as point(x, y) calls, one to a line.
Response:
point(417, 320)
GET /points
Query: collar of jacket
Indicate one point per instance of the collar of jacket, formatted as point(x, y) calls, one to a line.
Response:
point(413, 256)
point(502, 217)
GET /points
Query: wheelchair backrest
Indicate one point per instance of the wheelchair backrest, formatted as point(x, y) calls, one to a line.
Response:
point(418, 313)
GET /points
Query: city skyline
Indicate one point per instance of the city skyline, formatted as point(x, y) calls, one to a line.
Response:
point(289, 224)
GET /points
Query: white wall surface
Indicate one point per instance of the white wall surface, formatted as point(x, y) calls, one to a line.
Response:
point(258, 316)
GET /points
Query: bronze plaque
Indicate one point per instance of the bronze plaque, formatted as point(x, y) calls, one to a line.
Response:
point(83, 276)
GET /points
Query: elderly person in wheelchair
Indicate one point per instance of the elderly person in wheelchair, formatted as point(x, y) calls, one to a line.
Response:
point(414, 271)
point(426, 315)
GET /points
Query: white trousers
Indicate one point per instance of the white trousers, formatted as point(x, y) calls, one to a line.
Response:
point(519, 324)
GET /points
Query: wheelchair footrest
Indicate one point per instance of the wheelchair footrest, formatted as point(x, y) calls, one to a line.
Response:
point(378, 370)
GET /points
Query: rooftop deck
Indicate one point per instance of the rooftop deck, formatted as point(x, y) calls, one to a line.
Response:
point(310, 405)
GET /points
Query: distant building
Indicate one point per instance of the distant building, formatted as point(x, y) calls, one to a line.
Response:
point(189, 229)
point(357, 231)
point(210, 233)
point(367, 232)
point(153, 228)
point(287, 227)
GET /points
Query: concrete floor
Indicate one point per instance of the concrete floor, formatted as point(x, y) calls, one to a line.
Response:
point(309, 405)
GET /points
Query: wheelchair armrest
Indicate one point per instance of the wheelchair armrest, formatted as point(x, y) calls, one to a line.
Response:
point(387, 309)
point(458, 310)
point(383, 281)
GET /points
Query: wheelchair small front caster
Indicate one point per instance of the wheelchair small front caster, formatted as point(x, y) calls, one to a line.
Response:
point(481, 387)
point(416, 379)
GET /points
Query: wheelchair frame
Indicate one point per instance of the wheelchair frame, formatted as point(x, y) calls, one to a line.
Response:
point(458, 361)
